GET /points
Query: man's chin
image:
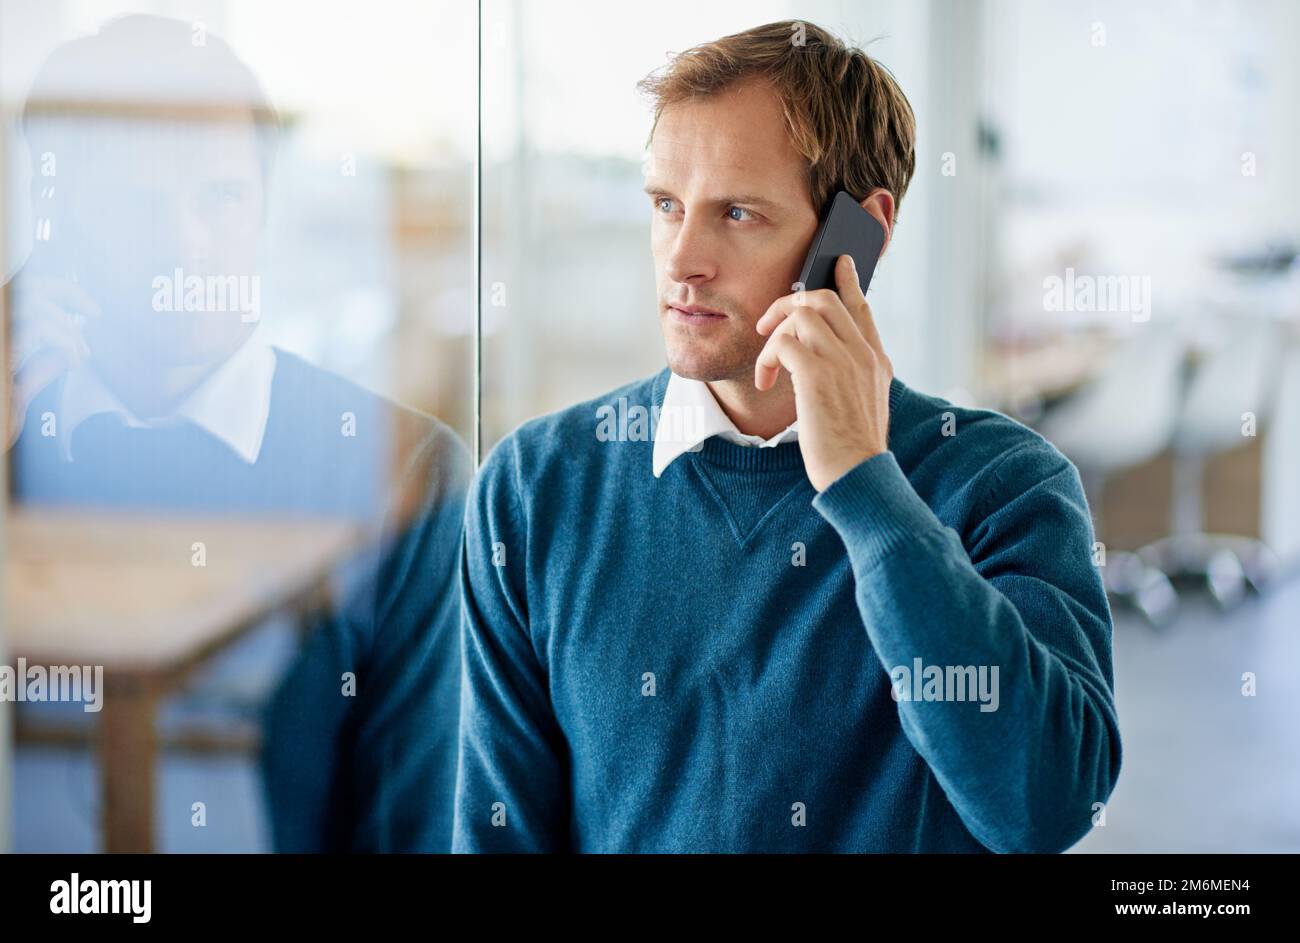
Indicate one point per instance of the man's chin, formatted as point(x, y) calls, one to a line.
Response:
point(707, 369)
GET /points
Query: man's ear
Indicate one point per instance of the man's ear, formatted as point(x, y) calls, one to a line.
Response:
point(880, 204)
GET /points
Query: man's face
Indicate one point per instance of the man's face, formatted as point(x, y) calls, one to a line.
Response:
point(732, 221)
point(163, 196)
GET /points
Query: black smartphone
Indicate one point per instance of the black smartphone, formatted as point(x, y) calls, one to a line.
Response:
point(846, 229)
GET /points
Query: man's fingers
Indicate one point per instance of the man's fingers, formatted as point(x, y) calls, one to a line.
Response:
point(779, 310)
point(810, 329)
point(826, 303)
point(846, 282)
point(61, 291)
point(846, 277)
point(843, 314)
point(47, 329)
point(781, 350)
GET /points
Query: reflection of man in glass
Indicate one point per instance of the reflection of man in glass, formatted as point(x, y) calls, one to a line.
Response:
point(140, 382)
point(811, 609)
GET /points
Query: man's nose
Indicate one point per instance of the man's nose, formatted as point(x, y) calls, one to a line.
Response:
point(692, 258)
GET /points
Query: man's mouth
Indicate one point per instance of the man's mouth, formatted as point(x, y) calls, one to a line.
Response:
point(695, 314)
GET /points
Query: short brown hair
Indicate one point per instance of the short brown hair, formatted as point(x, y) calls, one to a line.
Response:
point(845, 112)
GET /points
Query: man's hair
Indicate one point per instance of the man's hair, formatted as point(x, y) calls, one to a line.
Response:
point(149, 68)
point(845, 112)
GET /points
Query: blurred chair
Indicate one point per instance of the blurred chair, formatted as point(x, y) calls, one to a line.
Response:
point(1232, 380)
point(1123, 418)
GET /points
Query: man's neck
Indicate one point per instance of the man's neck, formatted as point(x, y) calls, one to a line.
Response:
point(761, 413)
point(153, 392)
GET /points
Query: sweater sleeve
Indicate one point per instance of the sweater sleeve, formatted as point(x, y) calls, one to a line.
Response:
point(1024, 599)
point(512, 790)
point(374, 771)
point(405, 739)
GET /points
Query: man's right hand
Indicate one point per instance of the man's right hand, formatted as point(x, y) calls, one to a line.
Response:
point(46, 340)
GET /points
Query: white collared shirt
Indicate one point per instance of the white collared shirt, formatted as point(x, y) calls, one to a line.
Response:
point(232, 404)
point(690, 414)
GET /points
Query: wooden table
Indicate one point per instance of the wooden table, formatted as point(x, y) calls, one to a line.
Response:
point(123, 591)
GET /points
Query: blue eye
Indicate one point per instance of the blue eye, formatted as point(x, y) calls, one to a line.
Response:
point(732, 211)
point(665, 205)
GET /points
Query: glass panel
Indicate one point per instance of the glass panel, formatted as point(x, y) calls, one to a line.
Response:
point(238, 284)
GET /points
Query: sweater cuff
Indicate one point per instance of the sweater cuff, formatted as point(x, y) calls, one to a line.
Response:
point(874, 509)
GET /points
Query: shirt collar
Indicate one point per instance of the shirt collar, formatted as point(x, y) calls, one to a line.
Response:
point(232, 404)
point(690, 414)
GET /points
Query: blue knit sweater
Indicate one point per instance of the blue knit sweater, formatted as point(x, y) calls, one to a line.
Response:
point(917, 659)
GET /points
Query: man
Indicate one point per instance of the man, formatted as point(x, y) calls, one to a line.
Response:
point(126, 399)
point(708, 642)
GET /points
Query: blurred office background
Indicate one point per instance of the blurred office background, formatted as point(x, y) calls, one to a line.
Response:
point(1100, 240)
